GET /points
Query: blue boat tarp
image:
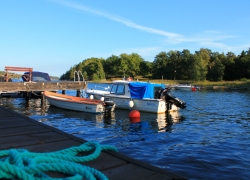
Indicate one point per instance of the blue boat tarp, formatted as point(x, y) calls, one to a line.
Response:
point(141, 90)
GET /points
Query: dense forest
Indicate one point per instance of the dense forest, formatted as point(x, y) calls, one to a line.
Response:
point(182, 65)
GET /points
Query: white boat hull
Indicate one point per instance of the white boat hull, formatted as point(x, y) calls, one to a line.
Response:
point(185, 88)
point(67, 103)
point(146, 105)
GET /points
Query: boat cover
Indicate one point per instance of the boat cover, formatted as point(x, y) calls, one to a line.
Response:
point(140, 90)
point(36, 75)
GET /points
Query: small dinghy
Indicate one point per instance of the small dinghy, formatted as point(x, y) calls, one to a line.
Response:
point(78, 103)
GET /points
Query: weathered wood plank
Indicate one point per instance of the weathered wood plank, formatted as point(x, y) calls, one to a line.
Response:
point(128, 171)
point(21, 130)
point(30, 139)
point(42, 86)
point(15, 123)
point(52, 146)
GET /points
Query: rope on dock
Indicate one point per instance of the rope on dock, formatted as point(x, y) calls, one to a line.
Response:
point(22, 164)
point(31, 89)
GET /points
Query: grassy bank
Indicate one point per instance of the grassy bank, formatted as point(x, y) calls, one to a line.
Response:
point(245, 83)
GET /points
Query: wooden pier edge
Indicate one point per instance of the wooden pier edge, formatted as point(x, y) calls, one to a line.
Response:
point(113, 172)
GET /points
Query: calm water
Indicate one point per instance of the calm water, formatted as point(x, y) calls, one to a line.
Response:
point(210, 139)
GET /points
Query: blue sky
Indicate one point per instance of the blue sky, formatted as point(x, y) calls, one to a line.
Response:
point(54, 35)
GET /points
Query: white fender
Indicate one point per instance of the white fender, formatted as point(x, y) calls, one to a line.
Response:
point(131, 103)
point(91, 97)
point(102, 99)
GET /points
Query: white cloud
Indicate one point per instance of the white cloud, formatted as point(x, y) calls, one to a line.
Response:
point(208, 39)
point(119, 19)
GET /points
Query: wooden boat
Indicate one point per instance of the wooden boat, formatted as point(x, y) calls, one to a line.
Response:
point(77, 103)
point(142, 96)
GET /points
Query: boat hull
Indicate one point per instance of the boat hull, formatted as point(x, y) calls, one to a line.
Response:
point(146, 105)
point(74, 103)
point(185, 88)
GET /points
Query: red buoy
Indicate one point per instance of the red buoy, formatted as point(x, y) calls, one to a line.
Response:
point(134, 116)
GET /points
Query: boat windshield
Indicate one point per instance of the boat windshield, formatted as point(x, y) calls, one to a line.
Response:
point(118, 89)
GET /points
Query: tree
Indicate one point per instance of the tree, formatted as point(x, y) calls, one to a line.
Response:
point(216, 69)
point(186, 65)
point(228, 61)
point(145, 68)
point(202, 59)
point(131, 64)
point(92, 66)
point(111, 65)
point(242, 65)
point(160, 66)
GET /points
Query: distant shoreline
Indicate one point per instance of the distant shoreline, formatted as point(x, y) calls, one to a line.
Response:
point(202, 84)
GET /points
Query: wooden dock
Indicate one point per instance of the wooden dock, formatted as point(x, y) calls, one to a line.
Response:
point(20, 132)
point(42, 86)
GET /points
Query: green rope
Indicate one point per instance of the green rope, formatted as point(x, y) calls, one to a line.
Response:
point(22, 164)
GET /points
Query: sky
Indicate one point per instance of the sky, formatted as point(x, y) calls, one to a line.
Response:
point(53, 35)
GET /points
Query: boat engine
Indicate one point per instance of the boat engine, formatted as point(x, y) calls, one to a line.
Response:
point(169, 98)
point(109, 105)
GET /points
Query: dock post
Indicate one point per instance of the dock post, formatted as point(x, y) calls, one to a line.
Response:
point(42, 99)
point(26, 95)
point(63, 91)
point(78, 93)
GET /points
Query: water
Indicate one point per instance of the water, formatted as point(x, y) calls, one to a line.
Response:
point(210, 139)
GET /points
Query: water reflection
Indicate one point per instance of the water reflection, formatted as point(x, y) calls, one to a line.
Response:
point(120, 118)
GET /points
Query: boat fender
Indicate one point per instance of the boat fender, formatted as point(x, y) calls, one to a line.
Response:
point(131, 103)
point(91, 97)
point(102, 99)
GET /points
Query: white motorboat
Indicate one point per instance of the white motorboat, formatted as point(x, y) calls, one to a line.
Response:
point(142, 96)
point(185, 87)
point(76, 103)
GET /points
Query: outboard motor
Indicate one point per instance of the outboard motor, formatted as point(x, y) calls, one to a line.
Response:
point(109, 106)
point(169, 98)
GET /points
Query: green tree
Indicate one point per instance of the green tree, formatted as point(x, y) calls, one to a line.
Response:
point(228, 61)
point(132, 63)
point(159, 66)
point(188, 65)
point(93, 66)
point(146, 68)
point(216, 69)
point(202, 59)
point(111, 65)
point(242, 65)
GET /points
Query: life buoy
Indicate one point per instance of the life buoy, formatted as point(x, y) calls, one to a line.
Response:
point(26, 77)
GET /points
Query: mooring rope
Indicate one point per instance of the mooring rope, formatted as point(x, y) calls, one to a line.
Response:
point(22, 164)
point(31, 90)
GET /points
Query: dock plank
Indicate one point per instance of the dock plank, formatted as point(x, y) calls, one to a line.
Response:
point(14, 131)
point(19, 131)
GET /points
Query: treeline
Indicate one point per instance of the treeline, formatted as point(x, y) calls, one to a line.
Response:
point(182, 65)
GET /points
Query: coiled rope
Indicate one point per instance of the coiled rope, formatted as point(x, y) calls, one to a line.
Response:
point(22, 164)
